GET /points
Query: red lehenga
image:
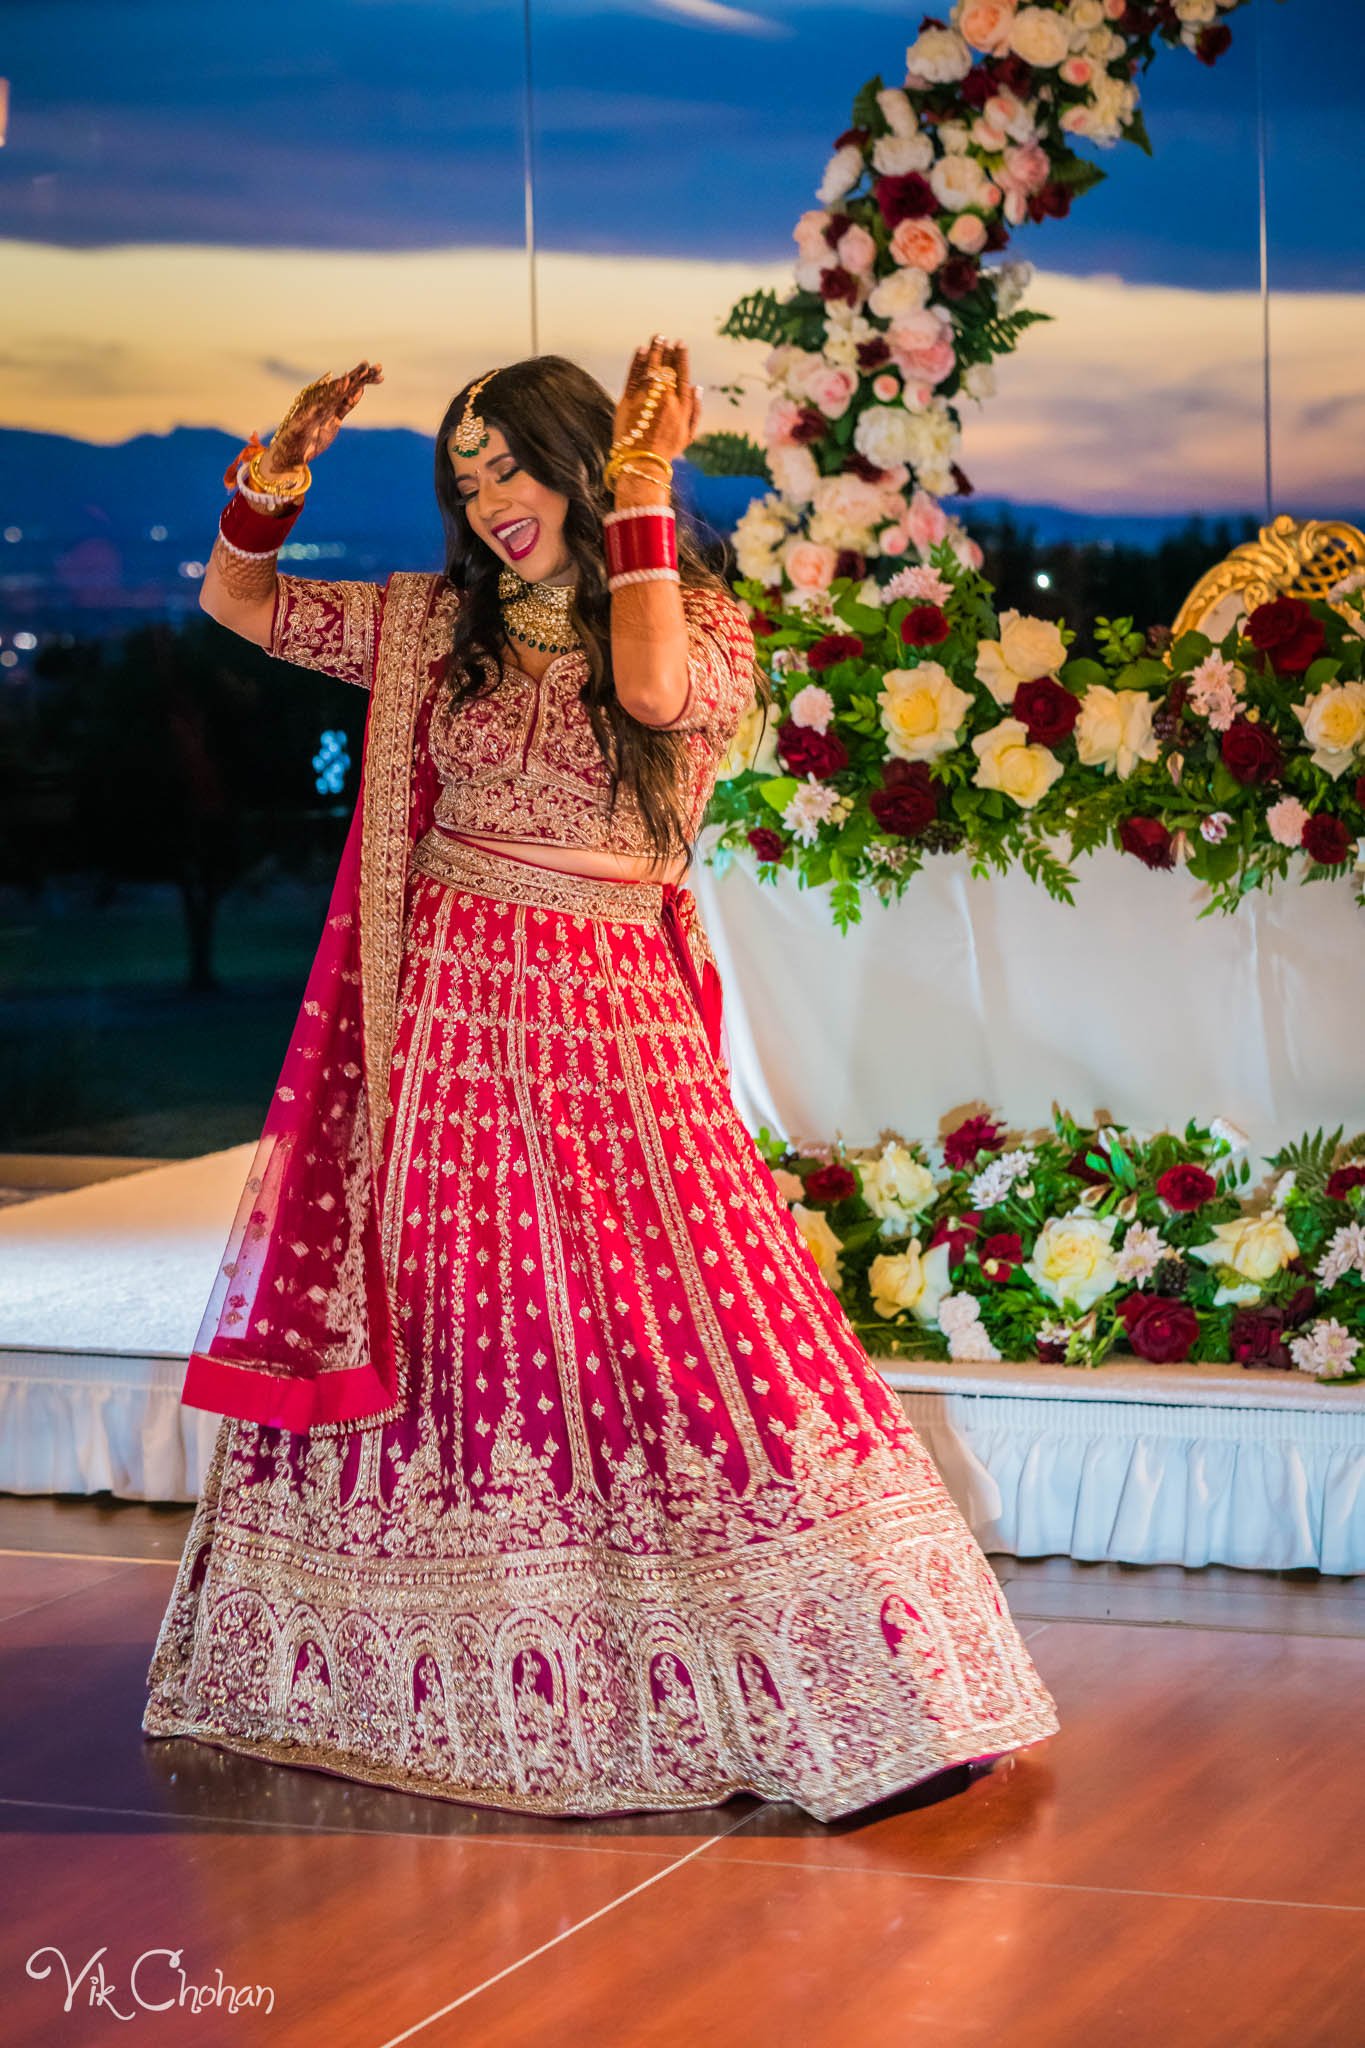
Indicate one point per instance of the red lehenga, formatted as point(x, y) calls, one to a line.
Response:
point(552, 1477)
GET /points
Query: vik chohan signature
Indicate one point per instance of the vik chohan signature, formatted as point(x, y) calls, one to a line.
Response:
point(156, 1983)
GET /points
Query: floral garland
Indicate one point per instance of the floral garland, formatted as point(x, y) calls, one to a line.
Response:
point(929, 725)
point(1084, 1240)
point(868, 602)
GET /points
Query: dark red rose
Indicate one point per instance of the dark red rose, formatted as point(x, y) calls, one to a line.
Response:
point(833, 648)
point(808, 752)
point(1048, 709)
point(1342, 1179)
point(1078, 1169)
point(963, 486)
point(1161, 1328)
point(1257, 1335)
point(1212, 41)
point(1326, 840)
point(997, 234)
point(838, 285)
point(848, 562)
point(977, 87)
point(810, 425)
point(762, 624)
point(999, 1254)
point(1012, 74)
point(957, 277)
point(908, 197)
point(1149, 840)
point(862, 465)
point(872, 354)
point(836, 227)
point(767, 845)
point(977, 1134)
point(1186, 1188)
point(832, 1183)
point(957, 1233)
point(1251, 753)
point(857, 137)
point(907, 800)
point(1051, 1351)
point(925, 625)
point(1286, 631)
point(1360, 791)
point(1053, 202)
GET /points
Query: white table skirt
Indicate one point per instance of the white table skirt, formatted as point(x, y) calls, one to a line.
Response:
point(989, 992)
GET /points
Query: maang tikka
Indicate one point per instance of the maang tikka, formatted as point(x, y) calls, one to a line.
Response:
point(472, 433)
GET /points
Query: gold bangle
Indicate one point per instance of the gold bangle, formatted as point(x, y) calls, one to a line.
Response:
point(629, 469)
point(621, 455)
point(291, 483)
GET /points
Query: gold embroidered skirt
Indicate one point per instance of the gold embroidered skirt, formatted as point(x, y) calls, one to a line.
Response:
point(651, 1529)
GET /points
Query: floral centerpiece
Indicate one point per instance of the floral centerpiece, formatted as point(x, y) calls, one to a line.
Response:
point(1082, 1241)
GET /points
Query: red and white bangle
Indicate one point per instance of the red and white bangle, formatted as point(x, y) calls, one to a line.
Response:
point(641, 544)
point(245, 530)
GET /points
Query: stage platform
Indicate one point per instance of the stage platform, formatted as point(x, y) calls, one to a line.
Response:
point(102, 1288)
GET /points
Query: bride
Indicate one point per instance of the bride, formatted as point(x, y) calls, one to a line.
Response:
point(552, 1476)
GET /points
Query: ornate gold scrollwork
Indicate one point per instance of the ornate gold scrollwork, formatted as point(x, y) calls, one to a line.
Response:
point(1290, 557)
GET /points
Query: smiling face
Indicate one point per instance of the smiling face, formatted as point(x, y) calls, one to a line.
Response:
point(520, 519)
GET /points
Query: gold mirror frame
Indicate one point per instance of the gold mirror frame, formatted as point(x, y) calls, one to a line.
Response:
point(1290, 557)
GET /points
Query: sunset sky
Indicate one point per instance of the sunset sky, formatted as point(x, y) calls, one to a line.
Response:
point(194, 219)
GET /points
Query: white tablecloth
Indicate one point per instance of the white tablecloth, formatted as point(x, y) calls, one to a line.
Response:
point(989, 992)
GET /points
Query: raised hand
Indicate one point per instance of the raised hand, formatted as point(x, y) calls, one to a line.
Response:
point(659, 398)
point(314, 419)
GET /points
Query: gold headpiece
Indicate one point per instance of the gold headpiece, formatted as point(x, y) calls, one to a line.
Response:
point(472, 432)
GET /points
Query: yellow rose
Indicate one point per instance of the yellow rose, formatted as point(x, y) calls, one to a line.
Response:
point(821, 1242)
point(1333, 722)
point(896, 1186)
point(1040, 37)
point(1114, 730)
point(911, 1279)
point(753, 746)
point(1072, 1262)
point(1027, 648)
point(922, 711)
point(1253, 1247)
point(1007, 762)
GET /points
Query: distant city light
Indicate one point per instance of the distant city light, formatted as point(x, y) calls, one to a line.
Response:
point(330, 764)
point(8, 659)
point(26, 639)
point(193, 570)
point(1043, 580)
point(156, 533)
point(14, 533)
point(311, 550)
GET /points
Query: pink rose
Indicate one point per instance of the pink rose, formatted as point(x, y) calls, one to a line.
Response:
point(986, 24)
point(987, 136)
point(856, 250)
point(1026, 168)
point(782, 418)
point(1077, 71)
point(809, 236)
point(809, 566)
point(894, 540)
point(918, 244)
point(968, 233)
point(921, 346)
point(886, 387)
point(830, 387)
point(968, 551)
point(926, 523)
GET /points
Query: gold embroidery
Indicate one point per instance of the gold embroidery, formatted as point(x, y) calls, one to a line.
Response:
point(481, 871)
point(328, 625)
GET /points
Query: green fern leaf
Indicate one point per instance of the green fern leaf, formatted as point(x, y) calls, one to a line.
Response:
point(727, 454)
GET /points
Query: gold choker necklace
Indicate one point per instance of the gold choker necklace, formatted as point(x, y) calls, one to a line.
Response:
point(537, 614)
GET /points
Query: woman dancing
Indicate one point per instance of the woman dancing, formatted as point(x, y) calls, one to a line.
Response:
point(552, 1475)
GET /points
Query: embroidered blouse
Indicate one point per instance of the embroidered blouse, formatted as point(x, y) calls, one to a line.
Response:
point(521, 762)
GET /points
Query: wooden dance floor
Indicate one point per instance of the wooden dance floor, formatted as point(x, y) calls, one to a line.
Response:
point(1183, 1865)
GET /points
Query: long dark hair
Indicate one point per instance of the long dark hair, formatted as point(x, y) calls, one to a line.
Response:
point(557, 421)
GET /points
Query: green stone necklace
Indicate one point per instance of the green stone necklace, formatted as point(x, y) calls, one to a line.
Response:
point(537, 614)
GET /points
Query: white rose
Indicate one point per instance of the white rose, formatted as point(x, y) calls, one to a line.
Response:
point(1073, 1261)
point(900, 292)
point(1007, 761)
point(959, 181)
point(820, 1242)
point(1255, 1248)
point(896, 1186)
point(754, 747)
point(1040, 37)
point(894, 156)
point(795, 472)
point(910, 1280)
point(978, 380)
point(1027, 649)
point(1012, 280)
point(1114, 730)
point(939, 55)
point(759, 533)
point(884, 434)
point(897, 110)
point(1333, 722)
point(842, 173)
point(921, 711)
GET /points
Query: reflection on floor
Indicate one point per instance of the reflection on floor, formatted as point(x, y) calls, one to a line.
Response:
point(1183, 1864)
